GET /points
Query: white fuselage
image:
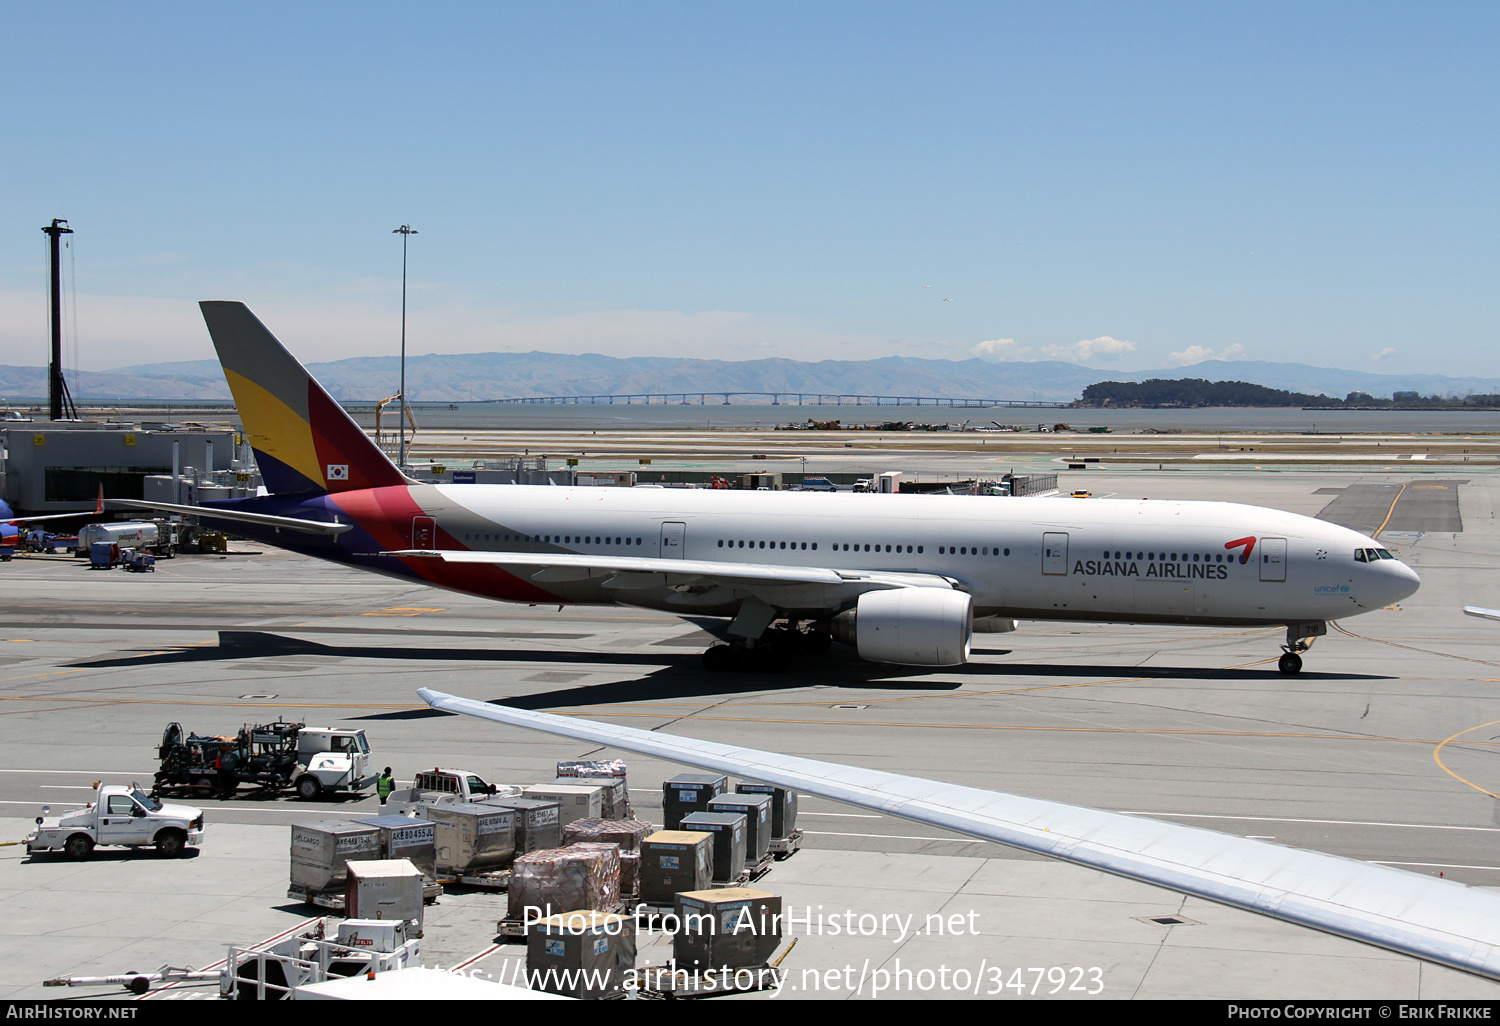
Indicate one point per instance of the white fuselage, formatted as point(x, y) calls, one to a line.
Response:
point(1048, 558)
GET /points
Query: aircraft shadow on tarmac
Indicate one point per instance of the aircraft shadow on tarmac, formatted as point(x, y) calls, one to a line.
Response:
point(683, 677)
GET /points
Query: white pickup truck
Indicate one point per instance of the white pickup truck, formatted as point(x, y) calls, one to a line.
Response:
point(119, 815)
point(444, 787)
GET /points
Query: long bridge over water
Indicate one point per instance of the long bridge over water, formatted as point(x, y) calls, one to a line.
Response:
point(780, 399)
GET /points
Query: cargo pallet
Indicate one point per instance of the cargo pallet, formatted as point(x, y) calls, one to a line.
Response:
point(761, 868)
point(738, 881)
point(786, 847)
point(515, 929)
point(499, 880)
point(334, 901)
point(659, 984)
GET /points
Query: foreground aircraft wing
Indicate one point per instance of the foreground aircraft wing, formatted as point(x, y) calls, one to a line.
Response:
point(241, 515)
point(1437, 920)
point(567, 566)
point(1488, 614)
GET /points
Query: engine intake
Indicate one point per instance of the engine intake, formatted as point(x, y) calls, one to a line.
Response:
point(909, 626)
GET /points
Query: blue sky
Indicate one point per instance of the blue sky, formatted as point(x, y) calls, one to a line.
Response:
point(1128, 185)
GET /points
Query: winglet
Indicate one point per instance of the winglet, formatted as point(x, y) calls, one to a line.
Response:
point(303, 440)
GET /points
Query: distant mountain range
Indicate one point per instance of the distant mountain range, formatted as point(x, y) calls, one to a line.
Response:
point(460, 378)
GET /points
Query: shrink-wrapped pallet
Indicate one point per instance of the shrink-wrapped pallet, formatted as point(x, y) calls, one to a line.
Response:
point(630, 873)
point(580, 877)
point(627, 833)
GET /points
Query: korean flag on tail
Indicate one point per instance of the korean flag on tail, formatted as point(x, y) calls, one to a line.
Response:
point(338, 471)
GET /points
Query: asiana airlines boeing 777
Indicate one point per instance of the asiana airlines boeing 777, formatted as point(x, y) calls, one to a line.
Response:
point(905, 579)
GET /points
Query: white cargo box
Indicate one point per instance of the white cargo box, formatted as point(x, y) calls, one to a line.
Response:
point(384, 889)
point(578, 801)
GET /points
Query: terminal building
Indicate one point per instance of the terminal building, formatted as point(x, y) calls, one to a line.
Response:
point(52, 467)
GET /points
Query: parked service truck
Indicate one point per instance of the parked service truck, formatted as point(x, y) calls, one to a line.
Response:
point(275, 756)
point(119, 815)
point(159, 539)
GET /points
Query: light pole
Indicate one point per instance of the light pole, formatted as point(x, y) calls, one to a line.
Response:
point(405, 231)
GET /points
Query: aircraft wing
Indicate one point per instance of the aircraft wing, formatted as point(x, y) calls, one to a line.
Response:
point(643, 571)
point(241, 515)
point(1488, 614)
point(1437, 920)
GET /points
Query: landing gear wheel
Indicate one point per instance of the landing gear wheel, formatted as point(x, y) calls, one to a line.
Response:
point(78, 847)
point(309, 789)
point(1290, 664)
point(718, 659)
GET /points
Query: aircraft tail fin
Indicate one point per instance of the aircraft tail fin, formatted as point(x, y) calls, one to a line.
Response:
point(303, 440)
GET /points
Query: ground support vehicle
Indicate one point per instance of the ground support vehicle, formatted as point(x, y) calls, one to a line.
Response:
point(119, 815)
point(275, 756)
point(444, 787)
point(358, 947)
point(138, 562)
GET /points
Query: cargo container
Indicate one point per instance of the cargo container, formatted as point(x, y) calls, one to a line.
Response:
point(538, 823)
point(322, 851)
point(733, 927)
point(575, 801)
point(689, 792)
point(589, 955)
point(728, 830)
point(673, 861)
point(384, 889)
point(471, 837)
point(756, 808)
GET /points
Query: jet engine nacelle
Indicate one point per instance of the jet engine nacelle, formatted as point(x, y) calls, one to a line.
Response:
point(909, 626)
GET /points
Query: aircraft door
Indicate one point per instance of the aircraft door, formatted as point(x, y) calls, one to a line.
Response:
point(1273, 559)
point(423, 533)
point(1055, 553)
point(673, 540)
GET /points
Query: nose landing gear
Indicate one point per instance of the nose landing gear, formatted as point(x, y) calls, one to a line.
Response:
point(1299, 638)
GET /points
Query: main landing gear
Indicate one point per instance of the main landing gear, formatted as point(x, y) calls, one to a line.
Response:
point(1299, 638)
point(772, 652)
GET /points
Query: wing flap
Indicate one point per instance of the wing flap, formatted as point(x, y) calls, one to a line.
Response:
point(1437, 920)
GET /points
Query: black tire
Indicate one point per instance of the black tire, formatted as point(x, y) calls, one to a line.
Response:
point(205, 785)
point(309, 789)
point(171, 844)
point(1290, 664)
point(718, 659)
point(78, 847)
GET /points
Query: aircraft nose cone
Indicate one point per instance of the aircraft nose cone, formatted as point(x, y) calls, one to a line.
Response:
point(1406, 580)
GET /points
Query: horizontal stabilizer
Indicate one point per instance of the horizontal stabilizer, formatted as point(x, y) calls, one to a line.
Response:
point(240, 515)
point(1488, 614)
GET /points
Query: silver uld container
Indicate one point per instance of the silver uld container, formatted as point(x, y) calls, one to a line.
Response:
point(576, 801)
point(616, 803)
point(402, 837)
point(472, 836)
point(538, 823)
point(321, 850)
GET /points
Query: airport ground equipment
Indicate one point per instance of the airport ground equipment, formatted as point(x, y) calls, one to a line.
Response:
point(730, 927)
point(687, 793)
point(599, 771)
point(673, 861)
point(138, 562)
point(358, 947)
point(538, 823)
point(157, 537)
point(385, 889)
point(728, 829)
point(321, 851)
point(580, 877)
point(102, 555)
point(138, 983)
point(471, 838)
point(581, 954)
point(119, 815)
point(444, 787)
point(786, 836)
point(276, 756)
point(575, 800)
point(756, 808)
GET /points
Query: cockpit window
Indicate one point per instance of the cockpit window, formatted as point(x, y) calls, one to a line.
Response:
point(1359, 555)
point(1383, 554)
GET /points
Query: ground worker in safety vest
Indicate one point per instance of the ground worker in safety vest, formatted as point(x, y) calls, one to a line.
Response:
point(384, 785)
